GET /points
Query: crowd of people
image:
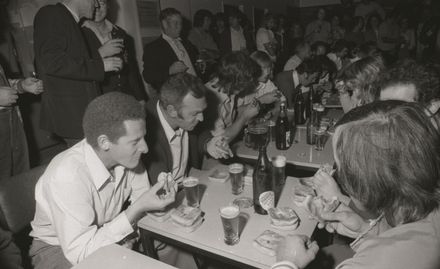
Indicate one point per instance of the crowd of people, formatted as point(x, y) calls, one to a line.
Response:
point(205, 88)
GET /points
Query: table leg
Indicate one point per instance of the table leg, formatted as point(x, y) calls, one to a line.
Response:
point(148, 244)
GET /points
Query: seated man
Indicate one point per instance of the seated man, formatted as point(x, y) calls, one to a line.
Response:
point(176, 143)
point(80, 196)
point(302, 52)
point(292, 81)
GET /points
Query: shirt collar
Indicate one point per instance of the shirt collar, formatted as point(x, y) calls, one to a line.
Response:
point(169, 132)
point(100, 174)
point(295, 78)
point(75, 16)
point(240, 30)
point(169, 38)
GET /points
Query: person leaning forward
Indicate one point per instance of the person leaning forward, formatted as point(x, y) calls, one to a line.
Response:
point(80, 196)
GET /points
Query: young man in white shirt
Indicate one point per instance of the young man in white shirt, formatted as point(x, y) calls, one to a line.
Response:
point(80, 196)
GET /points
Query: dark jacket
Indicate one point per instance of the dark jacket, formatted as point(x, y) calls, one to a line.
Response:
point(159, 158)
point(158, 57)
point(225, 43)
point(128, 80)
point(284, 82)
point(68, 71)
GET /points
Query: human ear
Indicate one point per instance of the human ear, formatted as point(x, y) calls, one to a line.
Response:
point(171, 111)
point(103, 142)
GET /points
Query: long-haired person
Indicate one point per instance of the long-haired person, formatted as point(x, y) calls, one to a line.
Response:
point(237, 76)
point(388, 163)
point(356, 83)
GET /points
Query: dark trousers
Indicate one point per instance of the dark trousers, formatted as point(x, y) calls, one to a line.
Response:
point(14, 156)
point(45, 256)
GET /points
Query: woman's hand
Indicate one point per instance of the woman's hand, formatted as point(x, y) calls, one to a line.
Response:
point(343, 221)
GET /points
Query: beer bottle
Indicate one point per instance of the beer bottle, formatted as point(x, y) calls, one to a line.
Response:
point(283, 140)
point(311, 125)
point(261, 179)
point(299, 107)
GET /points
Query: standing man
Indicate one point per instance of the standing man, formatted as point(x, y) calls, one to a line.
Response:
point(80, 197)
point(169, 54)
point(176, 143)
point(69, 73)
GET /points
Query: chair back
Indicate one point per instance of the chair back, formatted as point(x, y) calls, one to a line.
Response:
point(17, 199)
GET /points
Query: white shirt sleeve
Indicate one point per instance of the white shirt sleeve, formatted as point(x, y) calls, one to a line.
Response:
point(72, 209)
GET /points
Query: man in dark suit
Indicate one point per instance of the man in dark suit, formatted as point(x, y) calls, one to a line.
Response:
point(175, 139)
point(68, 72)
point(292, 82)
point(169, 54)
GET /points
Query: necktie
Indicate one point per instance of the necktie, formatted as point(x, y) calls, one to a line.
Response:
point(181, 48)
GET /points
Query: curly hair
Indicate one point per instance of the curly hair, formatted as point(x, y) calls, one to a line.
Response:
point(238, 73)
point(422, 76)
point(199, 17)
point(106, 115)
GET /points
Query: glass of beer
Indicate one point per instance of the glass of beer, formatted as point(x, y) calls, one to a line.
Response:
point(278, 175)
point(230, 220)
point(236, 176)
point(191, 185)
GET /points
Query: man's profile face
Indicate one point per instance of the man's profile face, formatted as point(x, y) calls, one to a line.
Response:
point(172, 26)
point(310, 79)
point(191, 112)
point(127, 150)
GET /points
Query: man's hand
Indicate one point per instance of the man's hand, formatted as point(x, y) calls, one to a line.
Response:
point(151, 201)
point(112, 64)
point(270, 97)
point(344, 221)
point(326, 186)
point(8, 96)
point(251, 110)
point(177, 67)
point(32, 85)
point(111, 47)
point(297, 249)
point(218, 147)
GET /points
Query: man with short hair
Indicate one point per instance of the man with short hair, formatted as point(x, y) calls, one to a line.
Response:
point(169, 54)
point(68, 71)
point(302, 52)
point(176, 142)
point(80, 197)
point(297, 81)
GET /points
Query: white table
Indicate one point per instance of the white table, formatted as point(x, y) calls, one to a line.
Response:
point(300, 153)
point(117, 257)
point(207, 240)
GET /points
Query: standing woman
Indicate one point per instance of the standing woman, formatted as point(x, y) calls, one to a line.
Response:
point(98, 33)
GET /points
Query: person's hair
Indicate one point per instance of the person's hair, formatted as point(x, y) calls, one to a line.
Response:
point(177, 86)
point(339, 45)
point(372, 16)
point(168, 12)
point(106, 115)
point(326, 64)
point(266, 18)
point(319, 9)
point(238, 72)
point(261, 58)
point(309, 66)
point(233, 13)
point(355, 22)
point(424, 78)
point(199, 17)
point(388, 157)
point(362, 75)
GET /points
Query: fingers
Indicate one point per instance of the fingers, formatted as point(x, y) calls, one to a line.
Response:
point(313, 249)
point(159, 185)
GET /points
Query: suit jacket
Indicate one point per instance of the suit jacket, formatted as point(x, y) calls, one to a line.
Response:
point(158, 57)
point(159, 157)
point(225, 43)
point(286, 85)
point(128, 80)
point(68, 72)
